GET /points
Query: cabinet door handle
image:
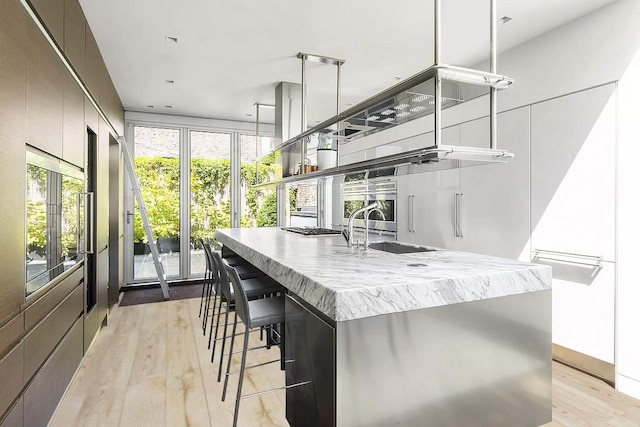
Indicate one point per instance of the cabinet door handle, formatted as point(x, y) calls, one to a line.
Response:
point(455, 214)
point(568, 258)
point(460, 215)
point(411, 212)
point(89, 241)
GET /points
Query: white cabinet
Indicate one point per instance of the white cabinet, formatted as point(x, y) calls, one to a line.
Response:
point(426, 212)
point(482, 209)
point(573, 214)
point(494, 211)
point(584, 308)
point(573, 173)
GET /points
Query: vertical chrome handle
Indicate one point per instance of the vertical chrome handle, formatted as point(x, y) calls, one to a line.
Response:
point(413, 213)
point(460, 215)
point(79, 228)
point(455, 215)
point(410, 213)
point(90, 213)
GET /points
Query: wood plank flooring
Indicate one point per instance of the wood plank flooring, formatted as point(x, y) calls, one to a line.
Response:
point(150, 367)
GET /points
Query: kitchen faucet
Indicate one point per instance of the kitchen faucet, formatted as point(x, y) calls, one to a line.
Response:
point(366, 211)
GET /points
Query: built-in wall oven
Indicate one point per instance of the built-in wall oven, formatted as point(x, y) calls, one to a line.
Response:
point(358, 193)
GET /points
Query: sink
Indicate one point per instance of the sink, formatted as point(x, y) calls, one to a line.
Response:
point(397, 248)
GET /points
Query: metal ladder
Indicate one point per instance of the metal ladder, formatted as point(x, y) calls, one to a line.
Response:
point(135, 184)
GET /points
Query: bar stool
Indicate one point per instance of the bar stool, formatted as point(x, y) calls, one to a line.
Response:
point(246, 271)
point(254, 288)
point(208, 276)
point(254, 314)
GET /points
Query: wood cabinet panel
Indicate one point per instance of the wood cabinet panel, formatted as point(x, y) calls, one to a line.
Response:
point(52, 13)
point(45, 337)
point(118, 116)
point(102, 191)
point(93, 64)
point(15, 417)
point(103, 285)
point(73, 135)
point(11, 372)
point(11, 332)
point(91, 118)
point(13, 21)
point(45, 82)
point(74, 35)
point(47, 302)
point(107, 94)
point(44, 393)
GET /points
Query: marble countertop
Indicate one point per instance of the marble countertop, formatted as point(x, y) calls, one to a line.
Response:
point(349, 283)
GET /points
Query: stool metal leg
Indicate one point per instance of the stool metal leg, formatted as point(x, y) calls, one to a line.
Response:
point(239, 393)
point(224, 341)
point(205, 318)
point(204, 285)
point(215, 340)
point(233, 338)
point(213, 310)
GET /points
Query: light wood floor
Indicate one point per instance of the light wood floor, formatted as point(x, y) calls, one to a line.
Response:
point(150, 367)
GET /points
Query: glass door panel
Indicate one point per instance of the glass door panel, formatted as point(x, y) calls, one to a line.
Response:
point(210, 166)
point(157, 152)
point(258, 204)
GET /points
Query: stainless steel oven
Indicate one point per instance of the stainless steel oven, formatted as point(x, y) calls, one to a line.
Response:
point(357, 194)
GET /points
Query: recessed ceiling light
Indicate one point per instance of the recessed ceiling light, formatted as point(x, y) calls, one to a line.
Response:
point(170, 39)
point(168, 106)
point(149, 106)
point(249, 115)
point(170, 81)
point(398, 78)
point(505, 19)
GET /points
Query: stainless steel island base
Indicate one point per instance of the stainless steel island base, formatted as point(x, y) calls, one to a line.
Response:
point(480, 363)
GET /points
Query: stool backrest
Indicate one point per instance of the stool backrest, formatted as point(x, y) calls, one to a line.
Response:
point(207, 256)
point(241, 300)
point(219, 265)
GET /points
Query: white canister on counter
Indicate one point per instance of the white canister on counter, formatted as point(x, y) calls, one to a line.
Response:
point(327, 158)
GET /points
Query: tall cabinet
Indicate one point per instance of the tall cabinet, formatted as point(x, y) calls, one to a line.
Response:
point(573, 160)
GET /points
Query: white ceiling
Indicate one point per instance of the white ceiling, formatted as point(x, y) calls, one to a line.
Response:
point(231, 54)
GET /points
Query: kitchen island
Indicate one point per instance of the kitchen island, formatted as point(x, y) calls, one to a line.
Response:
point(433, 338)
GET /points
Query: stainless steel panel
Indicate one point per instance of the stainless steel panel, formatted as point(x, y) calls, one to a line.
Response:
point(41, 341)
point(484, 363)
point(14, 417)
point(43, 395)
point(11, 371)
point(310, 352)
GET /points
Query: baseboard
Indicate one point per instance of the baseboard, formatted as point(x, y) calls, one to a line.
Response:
point(598, 368)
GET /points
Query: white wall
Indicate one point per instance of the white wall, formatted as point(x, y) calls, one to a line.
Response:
point(598, 48)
